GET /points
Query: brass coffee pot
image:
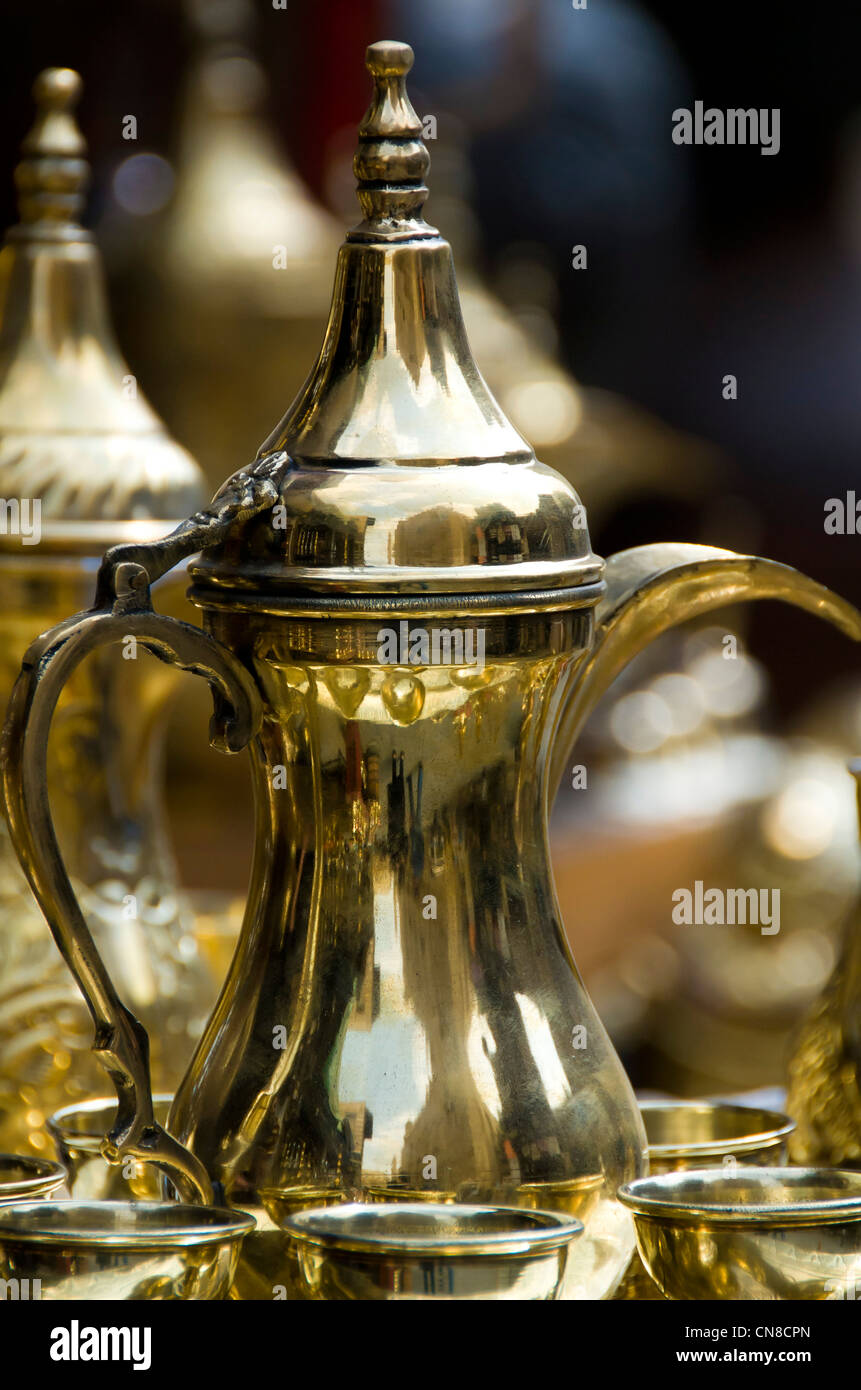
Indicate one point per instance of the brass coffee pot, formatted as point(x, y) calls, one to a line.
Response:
point(405, 624)
point(83, 454)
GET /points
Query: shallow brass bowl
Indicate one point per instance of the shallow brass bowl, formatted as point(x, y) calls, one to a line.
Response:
point(24, 1179)
point(78, 1131)
point(422, 1250)
point(120, 1250)
point(697, 1133)
point(743, 1233)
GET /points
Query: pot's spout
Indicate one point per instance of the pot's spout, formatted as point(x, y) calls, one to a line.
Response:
point(653, 588)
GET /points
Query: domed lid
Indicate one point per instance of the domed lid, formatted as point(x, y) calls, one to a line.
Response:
point(76, 433)
point(406, 477)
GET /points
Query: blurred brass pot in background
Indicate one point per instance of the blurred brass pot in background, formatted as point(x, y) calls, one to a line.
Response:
point(79, 442)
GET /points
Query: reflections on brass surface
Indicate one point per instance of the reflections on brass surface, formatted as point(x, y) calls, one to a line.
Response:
point(270, 1267)
point(695, 1134)
point(577, 1196)
point(24, 1178)
point(78, 437)
point(422, 979)
point(105, 798)
point(281, 1203)
point(121, 1250)
point(78, 1132)
point(750, 1233)
point(417, 1251)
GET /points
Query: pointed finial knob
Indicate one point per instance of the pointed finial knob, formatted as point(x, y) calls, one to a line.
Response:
point(53, 173)
point(391, 162)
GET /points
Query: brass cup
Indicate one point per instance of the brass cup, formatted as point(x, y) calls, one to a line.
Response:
point(25, 1179)
point(124, 1251)
point(743, 1233)
point(422, 1250)
point(376, 1194)
point(575, 1196)
point(686, 1134)
point(699, 1133)
point(78, 1130)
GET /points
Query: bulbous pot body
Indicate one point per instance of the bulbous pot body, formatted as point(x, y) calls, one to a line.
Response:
point(403, 1018)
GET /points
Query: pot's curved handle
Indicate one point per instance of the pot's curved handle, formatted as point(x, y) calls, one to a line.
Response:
point(653, 588)
point(123, 609)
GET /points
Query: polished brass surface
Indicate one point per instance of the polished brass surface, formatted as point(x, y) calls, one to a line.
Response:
point(402, 1015)
point(383, 406)
point(104, 775)
point(655, 587)
point(123, 588)
point(696, 1134)
point(693, 1134)
point(121, 1251)
point(395, 392)
point(78, 1132)
point(75, 429)
point(742, 1233)
point(418, 1251)
point(576, 1196)
point(824, 1088)
point(23, 1178)
point(79, 441)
